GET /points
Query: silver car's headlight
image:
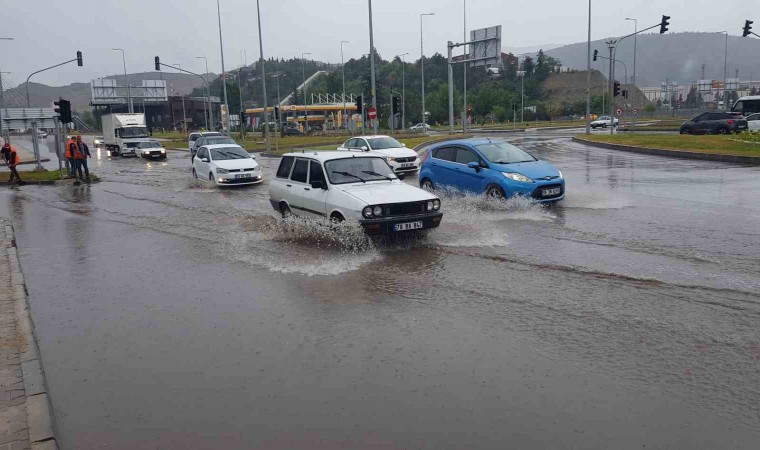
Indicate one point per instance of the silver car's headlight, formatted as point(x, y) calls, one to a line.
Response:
point(220, 170)
point(517, 177)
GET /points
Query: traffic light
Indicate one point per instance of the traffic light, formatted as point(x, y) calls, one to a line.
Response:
point(664, 24)
point(747, 28)
point(79, 59)
point(158, 63)
point(616, 89)
point(359, 105)
point(63, 107)
point(596, 54)
point(242, 117)
point(277, 113)
point(396, 105)
point(625, 93)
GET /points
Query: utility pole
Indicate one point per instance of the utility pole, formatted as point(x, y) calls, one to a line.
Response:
point(422, 69)
point(224, 77)
point(373, 92)
point(725, 75)
point(184, 115)
point(343, 72)
point(611, 45)
point(635, 45)
point(403, 90)
point(588, 74)
point(303, 91)
point(208, 94)
point(464, 68)
point(130, 106)
point(2, 131)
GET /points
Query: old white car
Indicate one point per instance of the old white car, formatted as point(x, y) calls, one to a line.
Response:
point(352, 186)
point(400, 158)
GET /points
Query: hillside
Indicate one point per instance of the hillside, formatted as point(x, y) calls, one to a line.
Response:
point(78, 94)
point(678, 57)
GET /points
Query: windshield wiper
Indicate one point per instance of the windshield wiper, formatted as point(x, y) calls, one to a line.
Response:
point(347, 174)
point(370, 172)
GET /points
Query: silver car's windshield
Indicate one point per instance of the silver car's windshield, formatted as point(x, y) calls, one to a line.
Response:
point(358, 170)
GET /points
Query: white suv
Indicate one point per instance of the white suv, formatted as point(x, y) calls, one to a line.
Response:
point(192, 137)
point(358, 187)
point(400, 158)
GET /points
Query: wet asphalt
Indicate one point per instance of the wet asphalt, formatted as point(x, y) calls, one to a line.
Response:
point(174, 315)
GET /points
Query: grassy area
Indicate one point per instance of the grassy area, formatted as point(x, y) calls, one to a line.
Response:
point(39, 175)
point(724, 145)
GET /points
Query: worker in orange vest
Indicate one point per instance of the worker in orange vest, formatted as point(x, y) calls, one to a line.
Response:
point(81, 155)
point(13, 161)
point(71, 150)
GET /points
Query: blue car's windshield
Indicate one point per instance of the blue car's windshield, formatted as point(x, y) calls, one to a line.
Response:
point(503, 153)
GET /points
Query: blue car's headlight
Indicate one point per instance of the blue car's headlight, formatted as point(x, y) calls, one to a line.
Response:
point(517, 177)
point(560, 174)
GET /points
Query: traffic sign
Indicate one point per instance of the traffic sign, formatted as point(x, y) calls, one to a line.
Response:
point(635, 111)
point(619, 111)
point(372, 113)
point(292, 107)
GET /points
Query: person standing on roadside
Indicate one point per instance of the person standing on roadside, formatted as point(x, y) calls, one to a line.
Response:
point(81, 155)
point(13, 161)
point(6, 152)
point(71, 149)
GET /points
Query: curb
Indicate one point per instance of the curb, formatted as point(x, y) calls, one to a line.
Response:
point(737, 159)
point(39, 410)
point(33, 161)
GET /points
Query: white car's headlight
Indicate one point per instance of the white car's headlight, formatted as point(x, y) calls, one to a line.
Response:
point(517, 177)
point(377, 211)
point(430, 206)
point(220, 170)
point(390, 158)
point(436, 204)
point(163, 151)
point(367, 212)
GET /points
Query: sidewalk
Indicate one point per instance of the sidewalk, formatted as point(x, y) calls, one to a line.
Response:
point(26, 420)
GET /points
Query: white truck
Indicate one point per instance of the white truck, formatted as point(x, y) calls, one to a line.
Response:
point(123, 133)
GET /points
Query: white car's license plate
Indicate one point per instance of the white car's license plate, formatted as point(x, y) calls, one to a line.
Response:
point(243, 175)
point(407, 226)
point(550, 192)
point(405, 165)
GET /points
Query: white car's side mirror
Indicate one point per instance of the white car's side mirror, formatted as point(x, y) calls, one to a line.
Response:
point(403, 145)
point(364, 148)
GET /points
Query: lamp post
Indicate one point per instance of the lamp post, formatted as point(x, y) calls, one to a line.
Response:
point(403, 90)
point(130, 107)
point(303, 90)
point(1, 91)
point(422, 70)
point(373, 89)
point(464, 68)
point(343, 72)
point(263, 82)
point(725, 74)
point(588, 74)
point(635, 45)
point(208, 93)
point(278, 122)
point(224, 79)
point(184, 114)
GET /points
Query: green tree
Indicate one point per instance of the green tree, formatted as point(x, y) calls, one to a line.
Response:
point(500, 113)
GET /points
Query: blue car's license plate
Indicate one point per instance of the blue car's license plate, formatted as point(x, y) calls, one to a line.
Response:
point(550, 192)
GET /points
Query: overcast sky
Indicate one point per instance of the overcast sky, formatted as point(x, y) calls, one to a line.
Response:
point(47, 32)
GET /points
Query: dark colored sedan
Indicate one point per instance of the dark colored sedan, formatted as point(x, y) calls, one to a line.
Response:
point(292, 131)
point(715, 123)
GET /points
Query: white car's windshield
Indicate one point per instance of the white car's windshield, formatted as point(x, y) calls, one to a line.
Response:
point(150, 145)
point(503, 153)
point(383, 143)
point(225, 153)
point(358, 170)
point(133, 132)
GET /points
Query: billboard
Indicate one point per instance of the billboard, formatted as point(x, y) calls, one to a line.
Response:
point(487, 52)
point(107, 91)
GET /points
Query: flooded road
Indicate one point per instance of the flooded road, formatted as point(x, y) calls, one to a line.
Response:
point(175, 315)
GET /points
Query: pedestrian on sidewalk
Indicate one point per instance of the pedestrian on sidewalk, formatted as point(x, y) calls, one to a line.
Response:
point(13, 161)
point(6, 152)
point(71, 149)
point(81, 155)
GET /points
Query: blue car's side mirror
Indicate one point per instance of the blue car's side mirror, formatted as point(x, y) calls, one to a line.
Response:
point(474, 165)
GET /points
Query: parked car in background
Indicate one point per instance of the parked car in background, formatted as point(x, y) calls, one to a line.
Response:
point(420, 127)
point(210, 140)
point(747, 105)
point(753, 122)
point(151, 150)
point(225, 164)
point(42, 134)
point(97, 141)
point(292, 131)
point(715, 123)
point(358, 187)
point(604, 122)
point(494, 168)
point(192, 137)
point(400, 158)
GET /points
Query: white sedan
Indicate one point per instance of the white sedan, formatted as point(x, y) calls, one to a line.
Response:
point(226, 165)
point(604, 122)
point(753, 122)
point(400, 158)
point(420, 127)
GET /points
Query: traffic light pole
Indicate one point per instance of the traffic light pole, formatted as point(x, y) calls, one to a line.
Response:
point(28, 104)
point(191, 73)
point(450, 64)
point(611, 45)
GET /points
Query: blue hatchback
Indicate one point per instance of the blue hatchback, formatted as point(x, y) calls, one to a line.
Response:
point(493, 167)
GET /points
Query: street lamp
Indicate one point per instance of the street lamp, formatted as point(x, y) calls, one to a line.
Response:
point(373, 89)
point(184, 114)
point(403, 90)
point(263, 83)
point(464, 68)
point(130, 107)
point(1, 91)
point(278, 122)
point(224, 79)
point(303, 91)
point(343, 72)
point(208, 93)
point(725, 74)
point(588, 74)
point(635, 44)
point(422, 69)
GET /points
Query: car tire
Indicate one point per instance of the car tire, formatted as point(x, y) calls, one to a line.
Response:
point(285, 210)
point(685, 130)
point(495, 192)
point(722, 130)
point(337, 217)
point(427, 184)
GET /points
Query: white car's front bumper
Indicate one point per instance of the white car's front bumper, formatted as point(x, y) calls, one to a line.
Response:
point(404, 165)
point(238, 178)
